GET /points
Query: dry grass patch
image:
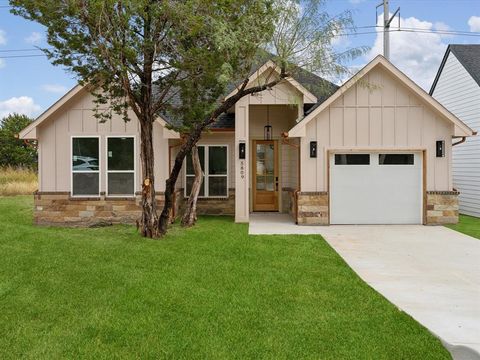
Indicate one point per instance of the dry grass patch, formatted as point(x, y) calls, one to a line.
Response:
point(17, 181)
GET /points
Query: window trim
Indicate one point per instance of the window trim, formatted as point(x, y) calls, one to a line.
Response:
point(82, 171)
point(134, 171)
point(206, 175)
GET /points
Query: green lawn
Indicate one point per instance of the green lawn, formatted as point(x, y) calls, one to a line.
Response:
point(468, 225)
point(211, 292)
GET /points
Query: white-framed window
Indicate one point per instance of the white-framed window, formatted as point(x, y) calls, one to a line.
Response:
point(85, 166)
point(214, 162)
point(120, 165)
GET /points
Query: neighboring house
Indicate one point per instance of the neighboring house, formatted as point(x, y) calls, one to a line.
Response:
point(377, 151)
point(457, 87)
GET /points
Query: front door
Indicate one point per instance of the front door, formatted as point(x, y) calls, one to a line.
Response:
point(265, 175)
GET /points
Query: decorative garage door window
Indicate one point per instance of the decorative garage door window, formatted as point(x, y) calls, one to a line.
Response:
point(352, 159)
point(214, 163)
point(396, 159)
point(120, 166)
point(85, 166)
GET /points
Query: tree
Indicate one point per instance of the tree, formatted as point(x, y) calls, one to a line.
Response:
point(13, 151)
point(190, 216)
point(144, 54)
point(136, 54)
point(301, 39)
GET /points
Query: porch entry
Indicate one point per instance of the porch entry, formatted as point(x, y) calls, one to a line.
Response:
point(265, 175)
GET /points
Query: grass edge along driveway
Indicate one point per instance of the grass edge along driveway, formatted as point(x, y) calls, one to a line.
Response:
point(207, 292)
point(468, 225)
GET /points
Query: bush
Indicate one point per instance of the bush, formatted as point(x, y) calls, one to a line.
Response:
point(13, 151)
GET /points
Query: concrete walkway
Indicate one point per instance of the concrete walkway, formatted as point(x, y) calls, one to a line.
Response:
point(432, 273)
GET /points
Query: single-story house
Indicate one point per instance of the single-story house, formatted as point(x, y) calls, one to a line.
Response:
point(457, 87)
point(376, 151)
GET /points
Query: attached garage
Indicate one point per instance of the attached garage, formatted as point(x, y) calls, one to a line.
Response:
point(376, 188)
point(378, 151)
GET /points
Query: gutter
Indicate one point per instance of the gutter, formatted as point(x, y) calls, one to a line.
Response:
point(462, 140)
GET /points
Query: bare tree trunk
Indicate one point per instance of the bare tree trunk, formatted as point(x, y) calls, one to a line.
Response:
point(149, 219)
point(190, 216)
point(185, 148)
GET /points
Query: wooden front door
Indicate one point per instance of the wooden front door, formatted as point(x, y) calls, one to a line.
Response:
point(265, 175)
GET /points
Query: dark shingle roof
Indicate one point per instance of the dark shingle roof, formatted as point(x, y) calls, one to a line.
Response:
point(318, 86)
point(468, 56)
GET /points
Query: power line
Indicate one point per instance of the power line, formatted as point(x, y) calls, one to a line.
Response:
point(20, 50)
point(21, 56)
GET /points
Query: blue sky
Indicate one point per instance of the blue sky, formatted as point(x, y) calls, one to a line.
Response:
point(31, 84)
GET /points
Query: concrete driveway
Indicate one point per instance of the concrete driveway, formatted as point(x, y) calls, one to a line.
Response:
point(432, 273)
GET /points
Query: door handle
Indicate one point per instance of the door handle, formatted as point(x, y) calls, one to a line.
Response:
point(276, 183)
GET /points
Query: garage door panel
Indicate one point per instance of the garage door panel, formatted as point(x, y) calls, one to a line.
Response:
point(376, 194)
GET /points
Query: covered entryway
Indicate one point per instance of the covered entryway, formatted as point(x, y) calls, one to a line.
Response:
point(376, 188)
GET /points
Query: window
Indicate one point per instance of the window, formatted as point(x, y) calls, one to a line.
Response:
point(352, 159)
point(214, 162)
point(120, 166)
point(85, 166)
point(395, 159)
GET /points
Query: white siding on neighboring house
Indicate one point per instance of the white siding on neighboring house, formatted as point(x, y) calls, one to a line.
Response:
point(460, 94)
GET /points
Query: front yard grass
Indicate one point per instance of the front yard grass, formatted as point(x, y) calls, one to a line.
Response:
point(211, 292)
point(468, 225)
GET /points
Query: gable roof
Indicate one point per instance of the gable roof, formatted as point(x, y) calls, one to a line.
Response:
point(312, 83)
point(467, 55)
point(314, 88)
point(30, 131)
point(461, 129)
point(269, 64)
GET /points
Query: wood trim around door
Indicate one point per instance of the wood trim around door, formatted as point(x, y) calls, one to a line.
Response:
point(261, 198)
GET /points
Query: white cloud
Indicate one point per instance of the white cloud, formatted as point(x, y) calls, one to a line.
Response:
point(21, 105)
point(474, 23)
point(356, 1)
point(2, 63)
point(34, 38)
point(3, 37)
point(54, 88)
point(417, 54)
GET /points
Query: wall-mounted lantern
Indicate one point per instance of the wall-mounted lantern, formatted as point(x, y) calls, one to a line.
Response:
point(313, 149)
point(241, 151)
point(267, 130)
point(440, 148)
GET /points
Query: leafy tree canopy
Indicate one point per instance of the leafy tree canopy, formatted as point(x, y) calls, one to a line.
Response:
point(13, 151)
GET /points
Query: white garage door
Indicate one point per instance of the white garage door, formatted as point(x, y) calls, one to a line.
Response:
point(376, 188)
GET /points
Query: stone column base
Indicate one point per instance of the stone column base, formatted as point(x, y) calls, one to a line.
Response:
point(442, 207)
point(312, 208)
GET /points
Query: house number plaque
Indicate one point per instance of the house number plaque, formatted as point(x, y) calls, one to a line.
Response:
point(242, 169)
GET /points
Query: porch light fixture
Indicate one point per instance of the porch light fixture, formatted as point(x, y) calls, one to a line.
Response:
point(440, 145)
point(267, 130)
point(313, 149)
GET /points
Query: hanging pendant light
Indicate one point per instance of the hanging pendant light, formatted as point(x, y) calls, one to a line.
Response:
point(267, 130)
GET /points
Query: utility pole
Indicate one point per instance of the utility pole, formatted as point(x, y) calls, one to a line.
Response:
point(387, 20)
point(386, 28)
